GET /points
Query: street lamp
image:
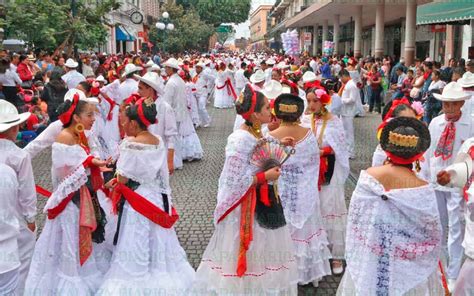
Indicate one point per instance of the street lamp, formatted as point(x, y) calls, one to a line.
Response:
point(164, 25)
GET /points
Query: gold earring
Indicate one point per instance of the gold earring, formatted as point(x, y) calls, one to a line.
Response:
point(256, 126)
point(79, 128)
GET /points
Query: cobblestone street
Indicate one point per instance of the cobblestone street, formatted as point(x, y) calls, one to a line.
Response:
point(195, 187)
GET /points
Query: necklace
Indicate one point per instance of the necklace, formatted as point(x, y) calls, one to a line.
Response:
point(257, 133)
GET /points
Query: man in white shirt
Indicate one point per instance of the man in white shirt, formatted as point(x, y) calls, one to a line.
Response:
point(240, 79)
point(72, 77)
point(9, 232)
point(268, 72)
point(175, 96)
point(130, 85)
point(314, 66)
point(448, 132)
point(25, 202)
point(350, 95)
point(201, 92)
point(460, 175)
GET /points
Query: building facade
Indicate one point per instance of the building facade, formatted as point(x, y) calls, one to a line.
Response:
point(259, 26)
point(129, 25)
point(402, 28)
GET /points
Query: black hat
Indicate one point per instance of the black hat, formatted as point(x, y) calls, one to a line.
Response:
point(405, 137)
point(289, 107)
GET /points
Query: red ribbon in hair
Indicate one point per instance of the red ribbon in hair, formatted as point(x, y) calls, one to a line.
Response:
point(312, 84)
point(247, 114)
point(388, 116)
point(132, 99)
point(65, 118)
point(398, 160)
point(292, 85)
point(230, 88)
point(141, 115)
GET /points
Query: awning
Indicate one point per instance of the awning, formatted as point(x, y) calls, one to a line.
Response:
point(445, 12)
point(121, 34)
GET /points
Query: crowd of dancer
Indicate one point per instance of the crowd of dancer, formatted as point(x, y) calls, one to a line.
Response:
point(119, 126)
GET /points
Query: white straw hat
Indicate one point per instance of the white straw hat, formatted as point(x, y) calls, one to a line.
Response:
point(70, 63)
point(257, 77)
point(272, 89)
point(452, 92)
point(9, 116)
point(172, 63)
point(131, 68)
point(460, 171)
point(151, 79)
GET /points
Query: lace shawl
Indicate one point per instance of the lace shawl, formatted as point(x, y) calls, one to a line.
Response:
point(393, 237)
point(145, 164)
point(237, 174)
point(334, 136)
point(67, 172)
point(298, 182)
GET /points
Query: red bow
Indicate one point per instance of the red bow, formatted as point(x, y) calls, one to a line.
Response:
point(65, 118)
point(131, 100)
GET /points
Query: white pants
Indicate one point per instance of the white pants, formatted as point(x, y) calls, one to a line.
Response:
point(203, 115)
point(449, 206)
point(26, 245)
point(465, 282)
point(348, 123)
point(9, 282)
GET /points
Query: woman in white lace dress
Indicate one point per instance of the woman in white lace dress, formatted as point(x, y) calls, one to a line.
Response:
point(243, 257)
point(333, 171)
point(393, 239)
point(299, 193)
point(148, 258)
point(66, 260)
point(224, 90)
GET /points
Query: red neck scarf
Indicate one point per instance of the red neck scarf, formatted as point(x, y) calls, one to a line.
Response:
point(446, 141)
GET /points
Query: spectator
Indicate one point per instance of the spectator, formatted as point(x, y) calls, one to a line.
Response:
point(447, 73)
point(72, 77)
point(408, 83)
point(15, 60)
point(87, 70)
point(24, 71)
point(458, 72)
point(9, 81)
point(45, 63)
point(375, 82)
point(397, 87)
point(415, 93)
point(53, 93)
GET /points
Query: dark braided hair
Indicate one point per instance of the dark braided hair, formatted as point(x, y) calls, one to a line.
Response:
point(148, 111)
point(244, 106)
point(64, 107)
point(396, 112)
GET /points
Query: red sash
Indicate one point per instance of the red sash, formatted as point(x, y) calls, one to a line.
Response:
point(112, 106)
point(143, 206)
point(230, 88)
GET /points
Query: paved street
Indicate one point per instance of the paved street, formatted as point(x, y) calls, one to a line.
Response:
point(195, 187)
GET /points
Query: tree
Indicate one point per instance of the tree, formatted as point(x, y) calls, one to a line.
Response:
point(216, 12)
point(189, 33)
point(52, 25)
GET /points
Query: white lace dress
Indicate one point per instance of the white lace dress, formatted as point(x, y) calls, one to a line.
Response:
point(393, 241)
point(189, 144)
point(148, 258)
point(192, 103)
point(271, 266)
point(55, 266)
point(222, 96)
point(298, 190)
point(332, 196)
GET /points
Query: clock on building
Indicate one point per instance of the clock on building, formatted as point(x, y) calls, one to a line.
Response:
point(136, 17)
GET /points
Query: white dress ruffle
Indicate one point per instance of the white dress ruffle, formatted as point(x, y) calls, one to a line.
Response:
point(271, 266)
point(298, 189)
point(192, 103)
point(393, 241)
point(148, 259)
point(55, 267)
